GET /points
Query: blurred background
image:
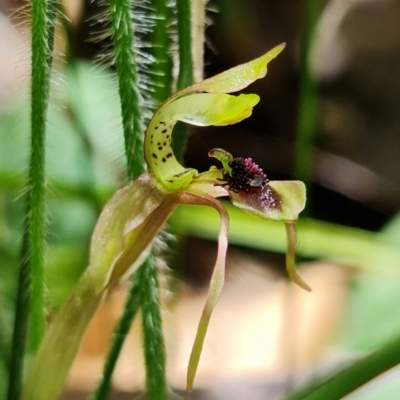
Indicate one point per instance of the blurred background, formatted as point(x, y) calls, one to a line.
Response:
point(333, 122)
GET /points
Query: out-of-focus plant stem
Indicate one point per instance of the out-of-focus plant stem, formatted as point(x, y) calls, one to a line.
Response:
point(352, 377)
point(308, 101)
point(144, 288)
point(185, 75)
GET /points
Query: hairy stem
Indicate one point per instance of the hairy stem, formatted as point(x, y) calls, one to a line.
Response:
point(31, 289)
point(154, 352)
point(131, 101)
point(133, 125)
point(20, 324)
point(161, 51)
point(43, 19)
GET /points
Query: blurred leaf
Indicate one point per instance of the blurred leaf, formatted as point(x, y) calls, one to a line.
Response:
point(64, 266)
point(371, 320)
point(385, 387)
point(72, 220)
point(391, 231)
point(350, 246)
point(67, 156)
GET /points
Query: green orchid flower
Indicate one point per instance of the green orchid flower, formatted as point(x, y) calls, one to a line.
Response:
point(129, 222)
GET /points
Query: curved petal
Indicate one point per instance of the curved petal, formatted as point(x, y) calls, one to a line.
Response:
point(201, 109)
point(205, 109)
point(217, 279)
point(213, 107)
point(236, 78)
point(291, 254)
point(278, 201)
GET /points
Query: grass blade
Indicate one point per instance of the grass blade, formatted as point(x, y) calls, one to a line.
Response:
point(352, 377)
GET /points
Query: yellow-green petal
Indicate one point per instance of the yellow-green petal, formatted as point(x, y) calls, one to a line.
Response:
point(201, 109)
point(211, 108)
point(195, 197)
point(237, 78)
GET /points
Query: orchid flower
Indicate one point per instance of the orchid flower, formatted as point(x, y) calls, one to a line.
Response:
point(129, 222)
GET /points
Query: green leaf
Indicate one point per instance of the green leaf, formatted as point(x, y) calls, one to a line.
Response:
point(351, 246)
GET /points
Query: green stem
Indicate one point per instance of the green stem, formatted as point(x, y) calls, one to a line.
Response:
point(308, 100)
point(120, 333)
point(31, 289)
point(132, 116)
point(161, 51)
point(132, 119)
point(185, 76)
point(354, 376)
point(43, 18)
point(154, 351)
point(20, 324)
